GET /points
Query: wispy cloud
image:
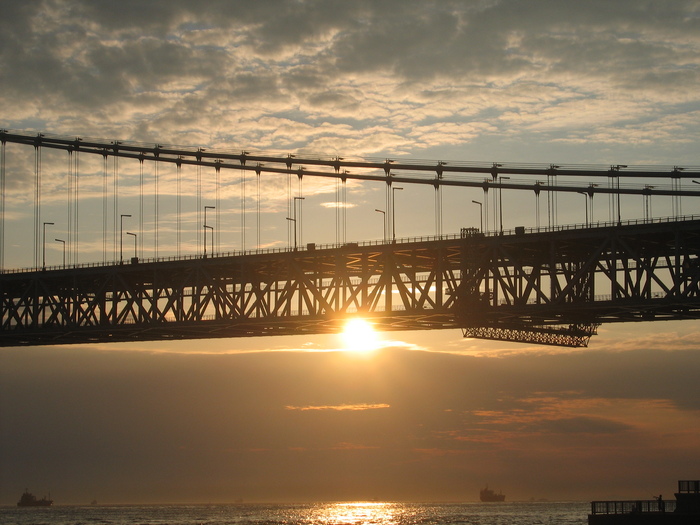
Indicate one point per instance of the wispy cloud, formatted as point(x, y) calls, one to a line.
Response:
point(351, 77)
point(344, 407)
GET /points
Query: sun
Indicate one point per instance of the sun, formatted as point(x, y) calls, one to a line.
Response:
point(360, 336)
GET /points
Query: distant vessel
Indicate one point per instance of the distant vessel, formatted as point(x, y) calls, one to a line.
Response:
point(29, 500)
point(486, 494)
point(684, 510)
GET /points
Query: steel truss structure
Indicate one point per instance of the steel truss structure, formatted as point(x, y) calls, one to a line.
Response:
point(544, 288)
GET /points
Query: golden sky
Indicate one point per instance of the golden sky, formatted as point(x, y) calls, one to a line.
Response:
point(397, 423)
point(426, 416)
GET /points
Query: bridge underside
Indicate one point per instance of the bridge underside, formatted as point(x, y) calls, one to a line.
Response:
point(544, 288)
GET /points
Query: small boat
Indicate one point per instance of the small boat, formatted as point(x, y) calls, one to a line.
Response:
point(29, 500)
point(684, 510)
point(488, 495)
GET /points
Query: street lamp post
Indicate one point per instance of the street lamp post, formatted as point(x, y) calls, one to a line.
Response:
point(590, 193)
point(295, 220)
point(121, 236)
point(64, 250)
point(617, 169)
point(136, 255)
point(585, 196)
point(206, 227)
point(43, 246)
point(647, 201)
point(383, 220)
point(393, 213)
point(291, 219)
point(481, 215)
point(500, 200)
point(538, 183)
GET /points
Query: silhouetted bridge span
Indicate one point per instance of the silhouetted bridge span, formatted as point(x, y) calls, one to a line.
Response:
point(552, 287)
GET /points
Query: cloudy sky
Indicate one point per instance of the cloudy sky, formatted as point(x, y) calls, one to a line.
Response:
point(428, 416)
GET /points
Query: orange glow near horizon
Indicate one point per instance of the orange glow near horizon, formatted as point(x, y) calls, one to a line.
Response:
point(360, 336)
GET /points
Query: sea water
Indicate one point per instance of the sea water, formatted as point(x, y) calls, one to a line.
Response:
point(347, 513)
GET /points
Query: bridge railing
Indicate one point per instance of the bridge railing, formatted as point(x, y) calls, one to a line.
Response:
point(403, 240)
point(596, 298)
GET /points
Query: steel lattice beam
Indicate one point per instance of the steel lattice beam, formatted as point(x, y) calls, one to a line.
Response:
point(528, 288)
point(574, 336)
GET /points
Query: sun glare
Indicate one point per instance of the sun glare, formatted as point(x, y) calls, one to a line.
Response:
point(359, 336)
point(359, 512)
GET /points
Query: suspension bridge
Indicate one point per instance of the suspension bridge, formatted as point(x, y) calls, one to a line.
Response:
point(546, 284)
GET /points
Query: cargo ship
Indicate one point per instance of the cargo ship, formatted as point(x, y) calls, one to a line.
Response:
point(488, 495)
point(29, 500)
point(683, 510)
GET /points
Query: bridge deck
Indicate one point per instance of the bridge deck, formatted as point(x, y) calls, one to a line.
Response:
point(500, 287)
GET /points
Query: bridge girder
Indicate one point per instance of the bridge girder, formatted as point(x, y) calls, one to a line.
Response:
point(546, 288)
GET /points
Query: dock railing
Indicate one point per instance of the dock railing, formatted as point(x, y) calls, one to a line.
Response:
point(687, 502)
point(633, 506)
point(689, 486)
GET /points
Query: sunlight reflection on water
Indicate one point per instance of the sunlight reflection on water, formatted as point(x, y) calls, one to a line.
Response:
point(358, 512)
point(347, 513)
